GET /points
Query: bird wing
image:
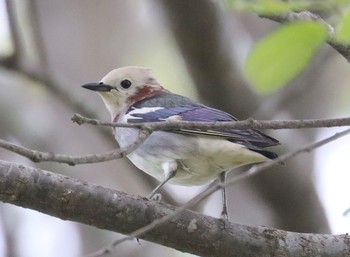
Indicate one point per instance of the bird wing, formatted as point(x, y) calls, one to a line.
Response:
point(173, 107)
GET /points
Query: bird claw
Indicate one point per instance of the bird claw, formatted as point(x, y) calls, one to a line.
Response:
point(156, 197)
point(224, 216)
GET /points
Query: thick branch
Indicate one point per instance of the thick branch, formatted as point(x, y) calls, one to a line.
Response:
point(252, 171)
point(76, 200)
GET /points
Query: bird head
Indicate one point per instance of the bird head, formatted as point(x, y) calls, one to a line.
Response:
point(124, 86)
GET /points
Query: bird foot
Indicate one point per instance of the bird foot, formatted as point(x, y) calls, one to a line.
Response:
point(224, 215)
point(155, 197)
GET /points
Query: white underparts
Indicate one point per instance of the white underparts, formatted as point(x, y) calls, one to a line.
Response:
point(169, 168)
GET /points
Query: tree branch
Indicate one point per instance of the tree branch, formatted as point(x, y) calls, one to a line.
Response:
point(146, 129)
point(75, 200)
point(252, 171)
point(37, 156)
point(243, 124)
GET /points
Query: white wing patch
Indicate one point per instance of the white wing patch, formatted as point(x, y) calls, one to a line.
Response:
point(143, 110)
point(174, 118)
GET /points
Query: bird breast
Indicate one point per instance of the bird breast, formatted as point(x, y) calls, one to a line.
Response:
point(199, 158)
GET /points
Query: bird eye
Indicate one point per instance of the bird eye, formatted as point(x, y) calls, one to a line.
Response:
point(125, 84)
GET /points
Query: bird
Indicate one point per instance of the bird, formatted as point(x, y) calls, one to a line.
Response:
point(187, 157)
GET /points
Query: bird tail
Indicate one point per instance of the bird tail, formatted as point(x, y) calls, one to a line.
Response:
point(268, 154)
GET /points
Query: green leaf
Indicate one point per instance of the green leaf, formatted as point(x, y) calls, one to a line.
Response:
point(283, 54)
point(342, 34)
point(272, 7)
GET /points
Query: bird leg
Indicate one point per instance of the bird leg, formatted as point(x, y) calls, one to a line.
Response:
point(169, 172)
point(224, 214)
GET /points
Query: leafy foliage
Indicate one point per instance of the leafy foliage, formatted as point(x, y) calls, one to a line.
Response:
point(283, 54)
point(280, 56)
point(268, 7)
point(343, 29)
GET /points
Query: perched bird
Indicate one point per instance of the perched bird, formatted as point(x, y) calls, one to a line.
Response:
point(183, 156)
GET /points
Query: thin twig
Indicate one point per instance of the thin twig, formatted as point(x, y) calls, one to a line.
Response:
point(243, 124)
point(148, 127)
point(342, 49)
point(252, 171)
point(37, 156)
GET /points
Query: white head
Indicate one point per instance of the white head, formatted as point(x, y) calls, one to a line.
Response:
point(124, 86)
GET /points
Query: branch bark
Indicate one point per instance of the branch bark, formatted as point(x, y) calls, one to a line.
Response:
point(37, 156)
point(213, 188)
point(76, 200)
point(146, 129)
point(242, 124)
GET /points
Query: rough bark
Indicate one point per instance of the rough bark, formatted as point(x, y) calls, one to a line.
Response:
point(76, 200)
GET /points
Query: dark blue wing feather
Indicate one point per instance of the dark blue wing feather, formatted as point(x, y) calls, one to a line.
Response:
point(187, 110)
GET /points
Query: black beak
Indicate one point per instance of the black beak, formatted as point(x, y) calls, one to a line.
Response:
point(100, 87)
